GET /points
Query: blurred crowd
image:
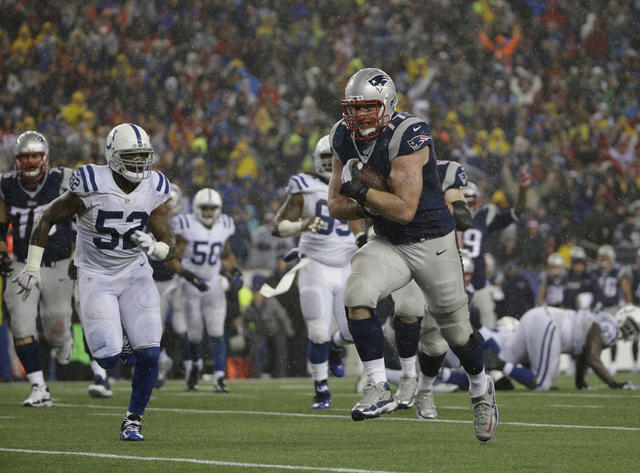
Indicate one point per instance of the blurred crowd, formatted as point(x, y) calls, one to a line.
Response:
point(235, 94)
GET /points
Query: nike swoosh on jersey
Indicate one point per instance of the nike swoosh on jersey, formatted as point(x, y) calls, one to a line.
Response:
point(438, 253)
point(416, 128)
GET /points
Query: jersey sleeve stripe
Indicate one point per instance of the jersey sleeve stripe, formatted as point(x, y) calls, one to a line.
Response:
point(301, 177)
point(295, 180)
point(84, 179)
point(92, 178)
point(160, 181)
point(166, 184)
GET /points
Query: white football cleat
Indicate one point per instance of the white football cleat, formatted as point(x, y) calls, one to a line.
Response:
point(425, 405)
point(406, 394)
point(40, 397)
point(485, 413)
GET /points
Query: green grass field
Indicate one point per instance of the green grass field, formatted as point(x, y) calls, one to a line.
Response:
point(268, 426)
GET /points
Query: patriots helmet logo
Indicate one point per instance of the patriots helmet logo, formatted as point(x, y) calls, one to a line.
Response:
point(417, 142)
point(379, 81)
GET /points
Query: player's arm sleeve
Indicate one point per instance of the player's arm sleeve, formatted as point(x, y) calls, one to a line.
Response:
point(162, 187)
point(409, 137)
point(66, 177)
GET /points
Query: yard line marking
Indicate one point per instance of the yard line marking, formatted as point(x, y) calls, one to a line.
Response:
point(604, 396)
point(335, 416)
point(577, 406)
point(193, 460)
point(7, 417)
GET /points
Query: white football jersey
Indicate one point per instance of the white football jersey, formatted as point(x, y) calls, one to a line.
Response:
point(575, 325)
point(204, 246)
point(103, 243)
point(333, 243)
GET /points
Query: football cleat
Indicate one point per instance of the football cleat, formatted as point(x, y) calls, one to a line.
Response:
point(377, 400)
point(40, 397)
point(485, 413)
point(219, 386)
point(131, 428)
point(406, 394)
point(100, 387)
point(127, 356)
point(336, 364)
point(425, 405)
point(163, 369)
point(192, 379)
point(63, 353)
point(322, 399)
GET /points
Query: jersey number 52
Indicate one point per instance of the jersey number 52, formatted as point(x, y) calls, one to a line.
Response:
point(115, 216)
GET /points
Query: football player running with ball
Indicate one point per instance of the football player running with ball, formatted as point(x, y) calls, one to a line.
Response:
point(24, 193)
point(114, 204)
point(415, 239)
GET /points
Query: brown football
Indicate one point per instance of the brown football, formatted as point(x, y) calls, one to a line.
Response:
point(373, 178)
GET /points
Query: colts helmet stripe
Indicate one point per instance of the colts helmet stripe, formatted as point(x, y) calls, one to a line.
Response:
point(135, 129)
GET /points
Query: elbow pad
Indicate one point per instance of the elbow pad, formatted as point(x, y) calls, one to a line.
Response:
point(462, 215)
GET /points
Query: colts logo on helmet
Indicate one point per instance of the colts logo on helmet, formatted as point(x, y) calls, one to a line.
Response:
point(417, 142)
point(379, 81)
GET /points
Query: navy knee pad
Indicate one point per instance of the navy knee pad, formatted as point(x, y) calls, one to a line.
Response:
point(147, 357)
point(407, 337)
point(430, 365)
point(110, 362)
point(471, 355)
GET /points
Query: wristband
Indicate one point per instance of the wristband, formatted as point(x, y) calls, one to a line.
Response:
point(34, 259)
point(161, 251)
point(287, 228)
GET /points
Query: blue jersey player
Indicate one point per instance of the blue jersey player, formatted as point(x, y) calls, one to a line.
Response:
point(24, 193)
point(415, 239)
point(486, 220)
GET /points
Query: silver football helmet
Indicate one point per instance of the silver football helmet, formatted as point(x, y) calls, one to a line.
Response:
point(606, 257)
point(27, 144)
point(628, 320)
point(555, 262)
point(322, 164)
point(470, 193)
point(367, 88)
point(577, 254)
point(608, 328)
point(128, 152)
point(207, 206)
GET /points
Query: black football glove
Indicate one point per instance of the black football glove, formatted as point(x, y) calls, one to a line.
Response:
point(361, 239)
point(5, 264)
point(195, 280)
point(352, 185)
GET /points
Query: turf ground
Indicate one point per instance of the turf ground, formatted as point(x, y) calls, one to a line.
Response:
point(268, 426)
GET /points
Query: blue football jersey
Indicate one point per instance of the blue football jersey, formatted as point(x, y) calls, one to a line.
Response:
point(608, 291)
point(487, 220)
point(24, 206)
point(555, 289)
point(404, 135)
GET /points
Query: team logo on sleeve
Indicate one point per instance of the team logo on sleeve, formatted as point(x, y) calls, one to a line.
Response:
point(379, 81)
point(418, 142)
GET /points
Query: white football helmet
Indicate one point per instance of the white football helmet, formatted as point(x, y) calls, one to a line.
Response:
point(29, 143)
point(212, 202)
point(125, 143)
point(322, 164)
point(507, 323)
point(368, 87)
point(176, 197)
point(628, 321)
point(555, 262)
